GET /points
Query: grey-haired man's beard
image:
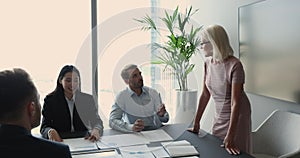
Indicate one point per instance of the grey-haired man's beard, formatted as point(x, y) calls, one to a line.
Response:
point(139, 84)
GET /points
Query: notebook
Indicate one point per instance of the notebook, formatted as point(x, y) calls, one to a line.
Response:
point(180, 148)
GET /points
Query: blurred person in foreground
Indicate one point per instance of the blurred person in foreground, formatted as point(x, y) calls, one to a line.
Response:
point(20, 111)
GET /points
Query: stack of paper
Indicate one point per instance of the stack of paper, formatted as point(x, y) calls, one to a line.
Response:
point(180, 148)
point(102, 154)
point(81, 145)
point(144, 137)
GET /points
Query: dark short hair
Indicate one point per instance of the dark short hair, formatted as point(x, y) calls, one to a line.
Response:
point(16, 90)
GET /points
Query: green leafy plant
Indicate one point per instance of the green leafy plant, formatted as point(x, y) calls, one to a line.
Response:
point(180, 46)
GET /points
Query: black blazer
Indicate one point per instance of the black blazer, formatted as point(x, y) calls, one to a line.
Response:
point(56, 114)
point(16, 142)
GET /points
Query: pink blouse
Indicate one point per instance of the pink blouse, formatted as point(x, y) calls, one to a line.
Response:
point(219, 78)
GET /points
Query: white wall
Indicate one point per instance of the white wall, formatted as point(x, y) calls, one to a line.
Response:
point(225, 13)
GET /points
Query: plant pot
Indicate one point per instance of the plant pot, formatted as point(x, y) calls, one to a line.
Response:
point(186, 105)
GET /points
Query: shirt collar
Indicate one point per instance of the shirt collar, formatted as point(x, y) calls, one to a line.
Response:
point(73, 98)
point(131, 92)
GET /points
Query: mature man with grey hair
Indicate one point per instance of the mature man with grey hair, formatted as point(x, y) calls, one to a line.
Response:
point(20, 111)
point(137, 107)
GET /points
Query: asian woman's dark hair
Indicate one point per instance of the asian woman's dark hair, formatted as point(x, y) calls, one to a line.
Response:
point(67, 68)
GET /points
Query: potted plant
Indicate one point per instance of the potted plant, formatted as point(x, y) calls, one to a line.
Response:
point(181, 45)
point(175, 53)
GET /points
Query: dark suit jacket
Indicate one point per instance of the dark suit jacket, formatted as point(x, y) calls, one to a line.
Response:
point(56, 114)
point(17, 142)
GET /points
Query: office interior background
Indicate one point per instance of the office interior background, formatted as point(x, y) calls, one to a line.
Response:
point(42, 36)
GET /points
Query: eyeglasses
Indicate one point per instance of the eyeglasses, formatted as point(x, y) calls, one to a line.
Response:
point(202, 43)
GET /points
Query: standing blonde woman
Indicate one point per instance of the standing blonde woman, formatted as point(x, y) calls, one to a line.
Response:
point(224, 79)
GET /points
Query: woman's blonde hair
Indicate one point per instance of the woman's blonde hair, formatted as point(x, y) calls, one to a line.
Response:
point(219, 40)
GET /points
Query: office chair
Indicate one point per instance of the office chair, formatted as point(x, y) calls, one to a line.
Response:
point(278, 136)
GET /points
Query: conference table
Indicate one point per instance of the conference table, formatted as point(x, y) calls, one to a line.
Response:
point(206, 144)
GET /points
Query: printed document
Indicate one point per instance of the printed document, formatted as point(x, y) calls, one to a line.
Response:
point(80, 144)
point(124, 140)
point(105, 154)
point(138, 151)
point(156, 135)
point(180, 148)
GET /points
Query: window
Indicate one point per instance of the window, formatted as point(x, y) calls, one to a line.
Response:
point(41, 37)
point(121, 42)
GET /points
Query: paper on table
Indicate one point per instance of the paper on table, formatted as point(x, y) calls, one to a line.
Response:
point(106, 154)
point(80, 144)
point(180, 148)
point(124, 140)
point(103, 146)
point(137, 151)
point(156, 135)
point(175, 151)
point(159, 152)
point(176, 143)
